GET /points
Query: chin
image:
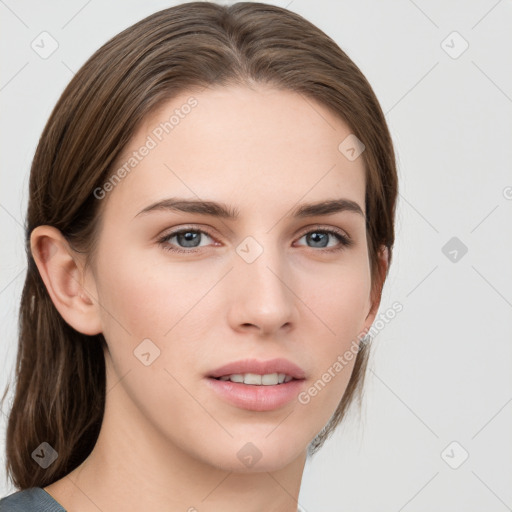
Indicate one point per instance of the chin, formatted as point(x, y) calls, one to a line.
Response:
point(258, 452)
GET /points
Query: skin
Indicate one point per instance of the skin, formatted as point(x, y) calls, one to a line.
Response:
point(167, 441)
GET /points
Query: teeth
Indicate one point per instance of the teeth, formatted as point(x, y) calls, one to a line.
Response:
point(269, 379)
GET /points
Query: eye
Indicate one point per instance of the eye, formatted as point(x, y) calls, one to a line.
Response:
point(187, 238)
point(320, 239)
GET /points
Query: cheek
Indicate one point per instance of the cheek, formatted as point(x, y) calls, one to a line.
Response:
point(159, 301)
point(338, 297)
point(147, 299)
point(339, 305)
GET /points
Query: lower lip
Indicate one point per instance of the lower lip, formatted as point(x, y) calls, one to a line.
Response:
point(257, 398)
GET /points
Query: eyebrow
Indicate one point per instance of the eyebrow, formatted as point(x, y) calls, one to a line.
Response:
point(215, 209)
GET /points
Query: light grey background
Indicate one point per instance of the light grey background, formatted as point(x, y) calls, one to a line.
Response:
point(441, 370)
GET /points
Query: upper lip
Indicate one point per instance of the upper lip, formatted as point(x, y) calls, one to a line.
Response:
point(260, 367)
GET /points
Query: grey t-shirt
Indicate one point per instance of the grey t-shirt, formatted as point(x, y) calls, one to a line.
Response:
point(35, 499)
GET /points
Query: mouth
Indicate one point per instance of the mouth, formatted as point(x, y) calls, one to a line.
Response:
point(256, 372)
point(255, 379)
point(256, 397)
point(258, 385)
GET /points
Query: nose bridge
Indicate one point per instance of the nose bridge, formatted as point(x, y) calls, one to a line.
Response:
point(263, 296)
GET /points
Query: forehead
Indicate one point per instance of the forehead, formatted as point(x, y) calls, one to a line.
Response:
point(240, 145)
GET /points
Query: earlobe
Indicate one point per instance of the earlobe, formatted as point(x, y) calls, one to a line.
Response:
point(62, 273)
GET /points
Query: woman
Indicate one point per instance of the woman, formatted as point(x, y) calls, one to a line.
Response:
point(210, 225)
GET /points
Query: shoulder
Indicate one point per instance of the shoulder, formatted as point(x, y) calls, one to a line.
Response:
point(35, 499)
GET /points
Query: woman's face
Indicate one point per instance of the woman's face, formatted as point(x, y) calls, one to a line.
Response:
point(263, 285)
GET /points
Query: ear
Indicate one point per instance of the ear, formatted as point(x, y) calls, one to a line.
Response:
point(376, 292)
point(62, 271)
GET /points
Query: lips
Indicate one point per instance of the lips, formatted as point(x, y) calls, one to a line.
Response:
point(279, 365)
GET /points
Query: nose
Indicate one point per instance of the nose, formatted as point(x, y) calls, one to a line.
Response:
point(262, 298)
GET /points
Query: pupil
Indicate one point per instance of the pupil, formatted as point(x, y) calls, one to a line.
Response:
point(318, 236)
point(189, 236)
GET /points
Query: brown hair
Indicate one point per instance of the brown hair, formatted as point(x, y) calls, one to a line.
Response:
point(60, 373)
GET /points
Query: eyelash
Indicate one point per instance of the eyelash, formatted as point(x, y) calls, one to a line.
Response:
point(344, 240)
